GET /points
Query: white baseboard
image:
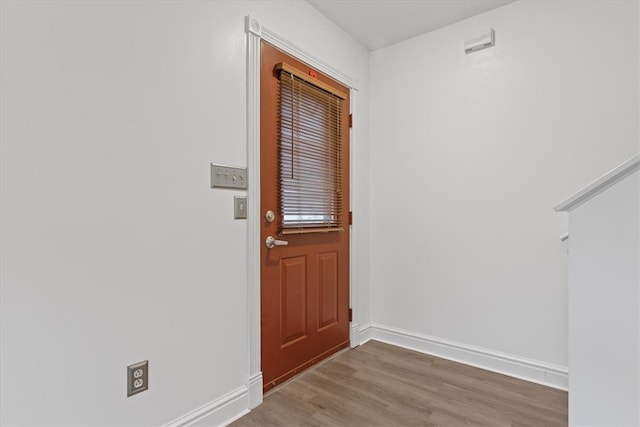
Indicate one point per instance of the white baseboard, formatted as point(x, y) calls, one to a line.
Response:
point(219, 412)
point(530, 370)
point(366, 333)
point(254, 386)
point(354, 337)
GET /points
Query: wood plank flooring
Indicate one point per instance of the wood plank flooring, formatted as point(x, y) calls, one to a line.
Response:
point(378, 384)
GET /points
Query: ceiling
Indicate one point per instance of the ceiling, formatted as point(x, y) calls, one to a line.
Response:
point(380, 23)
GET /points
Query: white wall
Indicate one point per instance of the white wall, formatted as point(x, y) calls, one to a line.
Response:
point(604, 322)
point(114, 248)
point(470, 153)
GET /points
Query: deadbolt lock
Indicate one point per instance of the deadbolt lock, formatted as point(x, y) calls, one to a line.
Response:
point(270, 216)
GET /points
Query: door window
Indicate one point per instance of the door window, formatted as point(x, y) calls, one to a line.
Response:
point(310, 171)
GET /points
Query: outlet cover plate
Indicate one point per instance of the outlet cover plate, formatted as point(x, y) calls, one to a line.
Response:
point(228, 177)
point(137, 378)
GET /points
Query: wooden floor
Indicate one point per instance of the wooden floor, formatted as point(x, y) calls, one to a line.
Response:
point(378, 384)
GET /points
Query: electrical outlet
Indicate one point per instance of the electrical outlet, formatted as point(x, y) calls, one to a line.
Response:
point(137, 378)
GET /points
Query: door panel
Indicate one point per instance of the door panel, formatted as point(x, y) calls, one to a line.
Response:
point(293, 279)
point(328, 283)
point(304, 285)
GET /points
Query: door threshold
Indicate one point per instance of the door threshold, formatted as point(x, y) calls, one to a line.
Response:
point(305, 372)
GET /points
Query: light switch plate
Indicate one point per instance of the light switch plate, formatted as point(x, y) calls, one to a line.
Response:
point(228, 177)
point(239, 207)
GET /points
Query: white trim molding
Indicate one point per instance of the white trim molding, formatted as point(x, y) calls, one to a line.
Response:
point(514, 366)
point(219, 412)
point(291, 49)
point(366, 333)
point(599, 185)
point(354, 335)
point(255, 33)
point(354, 230)
point(254, 387)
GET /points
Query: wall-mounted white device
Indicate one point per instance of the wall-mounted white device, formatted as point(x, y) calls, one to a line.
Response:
point(479, 41)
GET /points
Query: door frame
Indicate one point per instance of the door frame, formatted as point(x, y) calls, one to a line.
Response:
point(255, 33)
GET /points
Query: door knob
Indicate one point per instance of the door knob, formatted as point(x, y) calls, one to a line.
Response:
point(271, 242)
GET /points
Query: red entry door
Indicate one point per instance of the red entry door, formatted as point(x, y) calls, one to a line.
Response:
point(305, 284)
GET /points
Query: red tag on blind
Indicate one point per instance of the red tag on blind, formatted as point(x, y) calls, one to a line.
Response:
point(313, 74)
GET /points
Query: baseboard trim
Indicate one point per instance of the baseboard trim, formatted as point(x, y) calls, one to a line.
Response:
point(221, 411)
point(530, 370)
point(354, 335)
point(366, 333)
point(254, 386)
